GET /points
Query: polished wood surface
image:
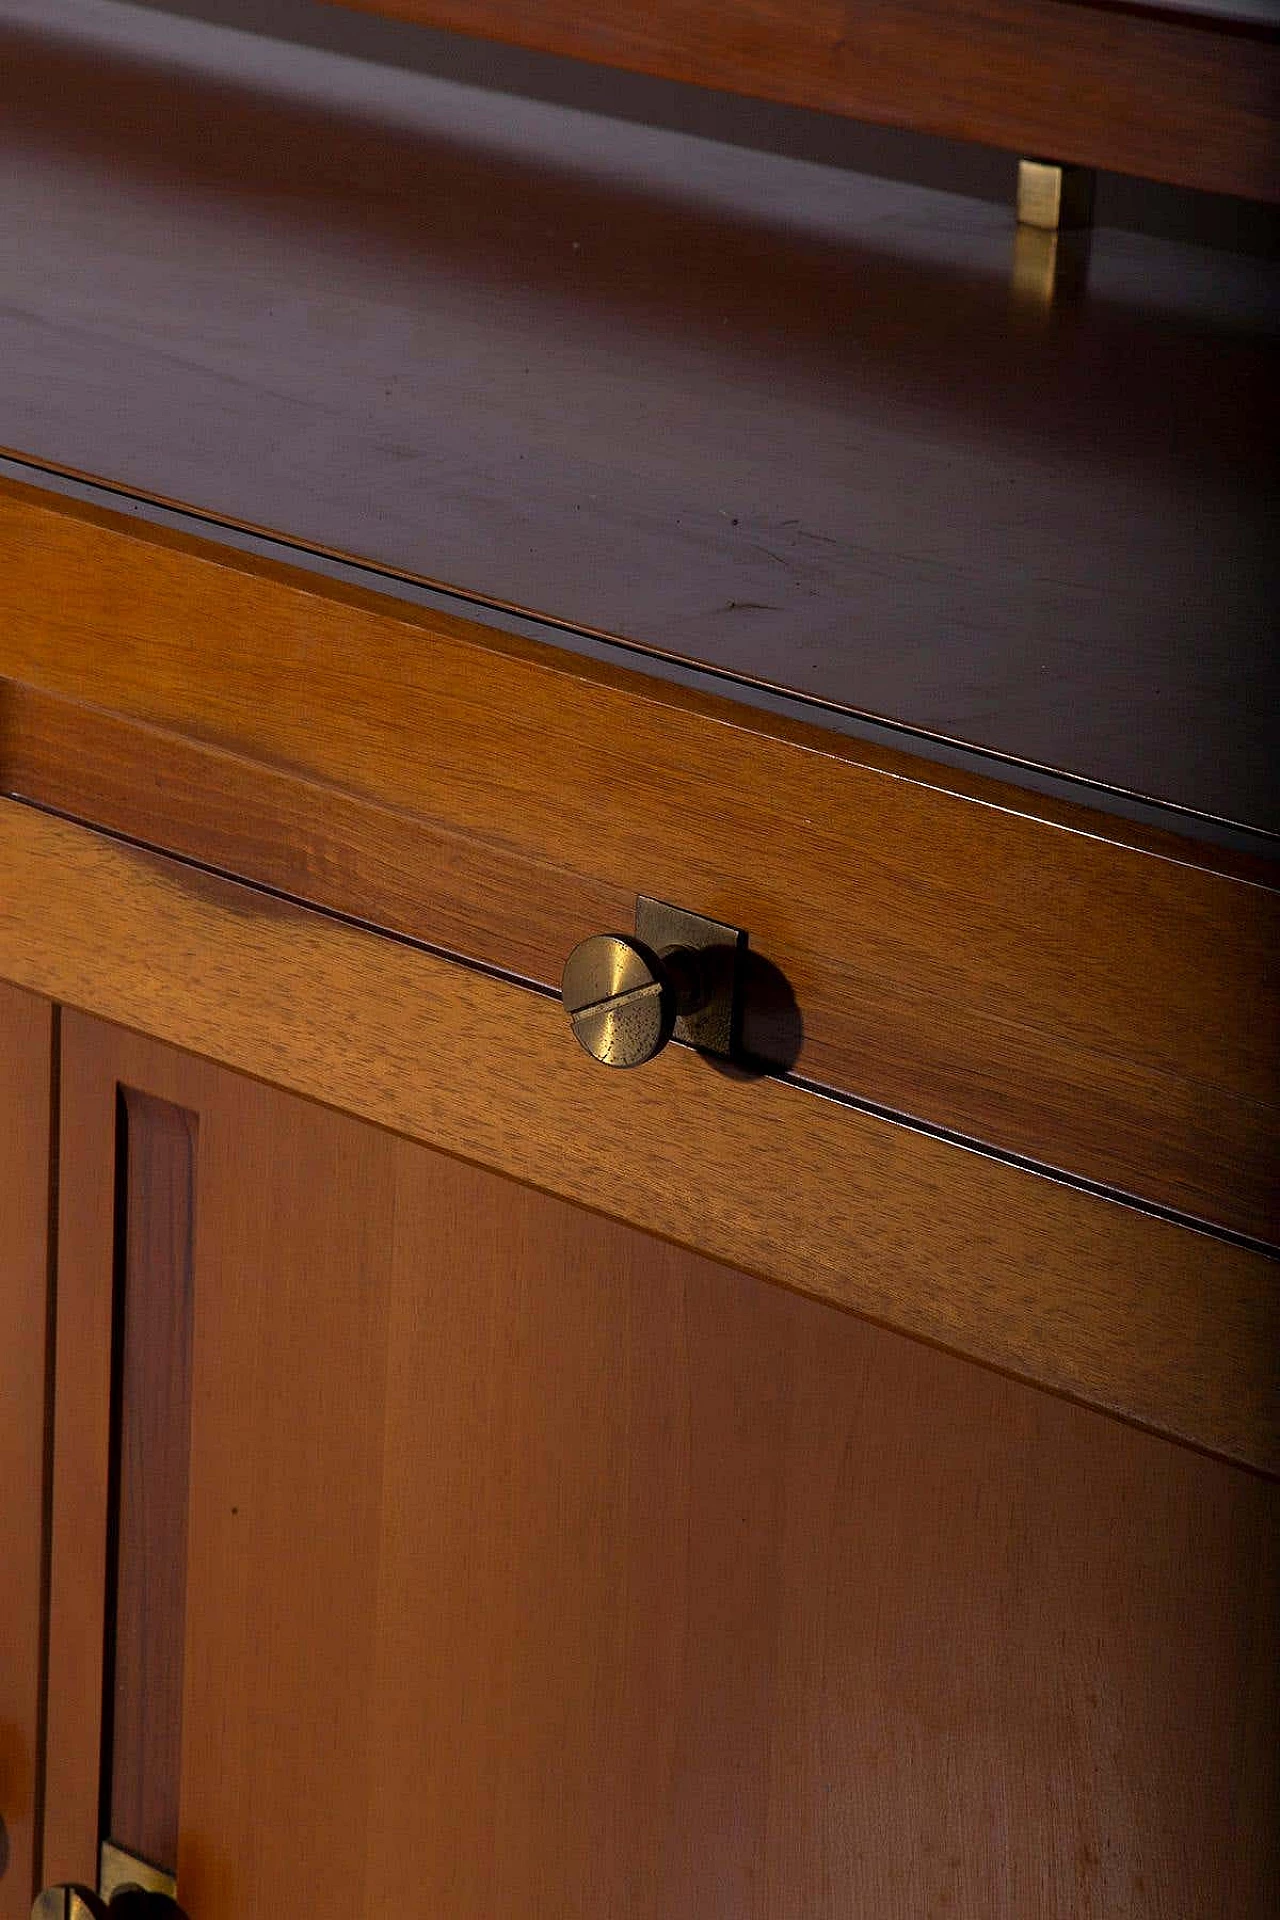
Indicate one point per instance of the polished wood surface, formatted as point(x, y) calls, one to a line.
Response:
point(1173, 1328)
point(779, 417)
point(1140, 90)
point(532, 1554)
point(1040, 978)
point(538, 1567)
point(155, 1227)
point(78, 1591)
point(26, 1107)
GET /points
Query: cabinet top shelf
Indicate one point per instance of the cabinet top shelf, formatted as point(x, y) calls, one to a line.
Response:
point(780, 418)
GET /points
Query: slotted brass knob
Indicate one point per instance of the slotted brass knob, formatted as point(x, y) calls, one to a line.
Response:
point(68, 1903)
point(78, 1903)
point(623, 999)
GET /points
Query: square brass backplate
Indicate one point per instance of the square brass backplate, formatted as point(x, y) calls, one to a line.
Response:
point(1054, 197)
point(118, 1870)
point(715, 1027)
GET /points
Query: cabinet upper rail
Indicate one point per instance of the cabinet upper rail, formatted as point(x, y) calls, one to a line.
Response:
point(1041, 978)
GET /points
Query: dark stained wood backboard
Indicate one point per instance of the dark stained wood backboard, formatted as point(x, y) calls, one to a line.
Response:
point(1184, 95)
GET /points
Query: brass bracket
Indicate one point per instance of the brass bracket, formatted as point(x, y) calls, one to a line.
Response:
point(1052, 238)
point(118, 1870)
point(1054, 197)
point(716, 1025)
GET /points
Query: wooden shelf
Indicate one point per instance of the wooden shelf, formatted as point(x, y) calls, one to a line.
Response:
point(769, 415)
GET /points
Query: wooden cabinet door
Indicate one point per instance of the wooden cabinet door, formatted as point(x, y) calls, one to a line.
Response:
point(459, 1553)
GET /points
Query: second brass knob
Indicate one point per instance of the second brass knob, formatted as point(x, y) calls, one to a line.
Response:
point(68, 1903)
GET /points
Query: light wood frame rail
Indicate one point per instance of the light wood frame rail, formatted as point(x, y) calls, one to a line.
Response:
point(1170, 1327)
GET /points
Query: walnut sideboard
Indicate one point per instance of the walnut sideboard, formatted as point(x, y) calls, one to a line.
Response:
point(444, 1475)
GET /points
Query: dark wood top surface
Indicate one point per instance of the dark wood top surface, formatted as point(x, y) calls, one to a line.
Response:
point(770, 415)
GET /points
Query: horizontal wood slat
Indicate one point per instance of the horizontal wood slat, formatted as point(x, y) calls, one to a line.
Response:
point(1172, 1328)
point(1192, 101)
point(1037, 977)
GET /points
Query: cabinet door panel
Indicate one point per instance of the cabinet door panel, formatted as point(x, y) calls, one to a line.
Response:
point(535, 1567)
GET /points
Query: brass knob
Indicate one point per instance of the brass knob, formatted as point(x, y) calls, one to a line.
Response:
point(68, 1903)
point(623, 999)
point(129, 1903)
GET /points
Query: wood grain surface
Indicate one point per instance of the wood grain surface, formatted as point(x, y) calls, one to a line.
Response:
point(1140, 90)
point(1040, 978)
point(544, 1568)
point(155, 1229)
point(783, 418)
point(1172, 1328)
point(26, 1107)
point(78, 1592)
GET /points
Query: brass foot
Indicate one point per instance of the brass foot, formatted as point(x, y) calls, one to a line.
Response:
point(1051, 239)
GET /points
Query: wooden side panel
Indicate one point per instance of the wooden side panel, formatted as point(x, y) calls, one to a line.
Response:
point(1188, 101)
point(155, 1197)
point(26, 1107)
point(541, 1568)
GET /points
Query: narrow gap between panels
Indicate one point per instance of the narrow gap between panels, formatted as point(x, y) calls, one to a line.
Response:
point(803, 1084)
